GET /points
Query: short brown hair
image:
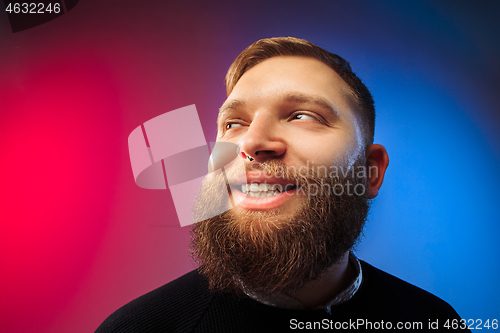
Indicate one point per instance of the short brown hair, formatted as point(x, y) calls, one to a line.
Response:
point(290, 46)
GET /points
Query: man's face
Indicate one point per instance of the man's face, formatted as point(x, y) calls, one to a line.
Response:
point(296, 110)
point(295, 117)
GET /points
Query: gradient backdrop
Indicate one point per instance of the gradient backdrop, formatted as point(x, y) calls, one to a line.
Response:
point(78, 238)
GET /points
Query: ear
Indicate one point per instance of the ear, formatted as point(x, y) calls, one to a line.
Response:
point(377, 162)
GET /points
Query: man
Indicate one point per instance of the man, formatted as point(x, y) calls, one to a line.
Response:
point(302, 181)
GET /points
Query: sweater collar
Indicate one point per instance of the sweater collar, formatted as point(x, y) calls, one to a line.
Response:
point(287, 302)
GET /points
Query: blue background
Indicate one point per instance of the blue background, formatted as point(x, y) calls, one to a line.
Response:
point(433, 69)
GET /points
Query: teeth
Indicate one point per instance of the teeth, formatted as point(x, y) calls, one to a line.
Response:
point(261, 190)
point(260, 194)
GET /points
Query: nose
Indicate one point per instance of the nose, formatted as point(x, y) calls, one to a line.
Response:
point(263, 140)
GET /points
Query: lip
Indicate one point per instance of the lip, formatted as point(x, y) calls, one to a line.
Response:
point(259, 177)
point(251, 203)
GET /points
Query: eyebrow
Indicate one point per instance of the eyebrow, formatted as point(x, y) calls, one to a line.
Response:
point(234, 104)
point(298, 97)
point(291, 97)
point(231, 106)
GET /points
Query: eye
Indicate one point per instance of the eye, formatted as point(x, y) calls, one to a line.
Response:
point(303, 116)
point(232, 125)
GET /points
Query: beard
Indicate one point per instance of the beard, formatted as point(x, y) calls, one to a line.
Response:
point(274, 251)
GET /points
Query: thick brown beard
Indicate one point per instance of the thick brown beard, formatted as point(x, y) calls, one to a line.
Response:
point(269, 253)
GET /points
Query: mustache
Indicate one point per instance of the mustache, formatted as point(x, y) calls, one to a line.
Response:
point(301, 176)
point(271, 168)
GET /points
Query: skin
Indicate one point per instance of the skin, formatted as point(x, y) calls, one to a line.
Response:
point(299, 110)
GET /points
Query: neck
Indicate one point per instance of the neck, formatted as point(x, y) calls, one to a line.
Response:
point(320, 291)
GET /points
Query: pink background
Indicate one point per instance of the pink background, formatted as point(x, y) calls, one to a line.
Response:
point(78, 237)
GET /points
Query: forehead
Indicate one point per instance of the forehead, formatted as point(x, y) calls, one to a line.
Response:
point(290, 79)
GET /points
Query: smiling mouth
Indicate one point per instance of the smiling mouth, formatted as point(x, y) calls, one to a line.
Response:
point(264, 190)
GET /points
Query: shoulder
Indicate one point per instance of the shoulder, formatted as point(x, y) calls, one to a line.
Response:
point(408, 301)
point(171, 307)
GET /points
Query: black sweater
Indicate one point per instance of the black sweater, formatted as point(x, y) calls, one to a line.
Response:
point(187, 305)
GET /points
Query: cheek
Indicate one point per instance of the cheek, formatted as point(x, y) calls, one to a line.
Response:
point(355, 143)
point(328, 150)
